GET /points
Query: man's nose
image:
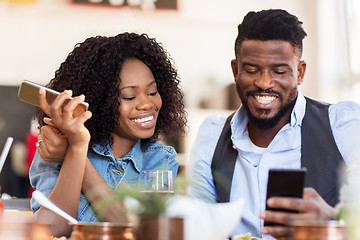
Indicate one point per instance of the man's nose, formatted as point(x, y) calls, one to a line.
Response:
point(265, 81)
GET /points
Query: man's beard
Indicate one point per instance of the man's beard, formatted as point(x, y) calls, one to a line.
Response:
point(265, 124)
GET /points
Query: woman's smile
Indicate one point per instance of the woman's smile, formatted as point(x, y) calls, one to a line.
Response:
point(145, 122)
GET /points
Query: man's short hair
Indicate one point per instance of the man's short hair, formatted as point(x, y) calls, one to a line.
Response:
point(272, 24)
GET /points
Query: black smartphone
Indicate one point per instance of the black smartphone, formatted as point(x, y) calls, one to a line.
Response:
point(29, 93)
point(284, 183)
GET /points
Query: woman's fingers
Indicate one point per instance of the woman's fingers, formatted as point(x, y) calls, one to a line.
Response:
point(61, 113)
point(42, 100)
point(68, 108)
point(61, 106)
point(85, 116)
point(49, 122)
point(55, 108)
point(52, 145)
point(41, 148)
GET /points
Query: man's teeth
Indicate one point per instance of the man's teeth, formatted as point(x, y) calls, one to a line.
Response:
point(146, 119)
point(265, 99)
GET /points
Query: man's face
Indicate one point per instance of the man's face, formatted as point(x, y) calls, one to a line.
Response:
point(267, 74)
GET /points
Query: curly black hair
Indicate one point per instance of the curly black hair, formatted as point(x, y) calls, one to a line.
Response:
point(272, 24)
point(93, 69)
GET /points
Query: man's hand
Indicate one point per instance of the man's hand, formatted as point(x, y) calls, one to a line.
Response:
point(310, 208)
point(52, 144)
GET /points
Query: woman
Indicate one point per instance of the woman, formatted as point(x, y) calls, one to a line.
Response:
point(134, 97)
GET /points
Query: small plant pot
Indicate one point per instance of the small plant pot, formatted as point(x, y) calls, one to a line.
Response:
point(102, 231)
point(160, 228)
point(328, 230)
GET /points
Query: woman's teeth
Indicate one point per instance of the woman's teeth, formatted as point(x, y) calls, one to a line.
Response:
point(145, 119)
point(265, 99)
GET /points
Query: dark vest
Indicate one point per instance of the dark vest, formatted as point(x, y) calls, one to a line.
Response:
point(319, 154)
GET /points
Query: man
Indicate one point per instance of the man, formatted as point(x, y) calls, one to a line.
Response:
point(276, 127)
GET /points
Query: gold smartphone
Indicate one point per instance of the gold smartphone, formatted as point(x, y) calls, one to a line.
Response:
point(29, 93)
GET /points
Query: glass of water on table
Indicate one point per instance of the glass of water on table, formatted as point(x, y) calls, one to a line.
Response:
point(156, 181)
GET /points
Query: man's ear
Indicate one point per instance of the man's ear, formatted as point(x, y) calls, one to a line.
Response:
point(234, 67)
point(301, 72)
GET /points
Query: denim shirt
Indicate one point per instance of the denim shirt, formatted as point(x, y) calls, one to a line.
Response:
point(144, 155)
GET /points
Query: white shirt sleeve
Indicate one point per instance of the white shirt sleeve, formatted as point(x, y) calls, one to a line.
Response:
point(201, 184)
point(345, 125)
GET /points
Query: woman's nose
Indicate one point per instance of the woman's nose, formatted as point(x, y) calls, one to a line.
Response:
point(144, 103)
point(265, 81)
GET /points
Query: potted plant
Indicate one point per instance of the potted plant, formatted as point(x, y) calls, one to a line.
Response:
point(145, 209)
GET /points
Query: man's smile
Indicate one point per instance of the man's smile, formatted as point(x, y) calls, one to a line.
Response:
point(265, 99)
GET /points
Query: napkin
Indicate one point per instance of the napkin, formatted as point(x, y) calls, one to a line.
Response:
point(202, 220)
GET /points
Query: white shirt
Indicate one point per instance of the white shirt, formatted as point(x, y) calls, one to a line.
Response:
point(253, 163)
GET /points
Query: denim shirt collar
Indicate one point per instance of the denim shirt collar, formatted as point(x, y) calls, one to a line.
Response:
point(240, 119)
point(135, 155)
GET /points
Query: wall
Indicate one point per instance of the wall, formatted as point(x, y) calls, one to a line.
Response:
point(333, 52)
point(199, 36)
point(36, 38)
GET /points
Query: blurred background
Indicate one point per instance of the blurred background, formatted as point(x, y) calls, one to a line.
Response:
point(37, 35)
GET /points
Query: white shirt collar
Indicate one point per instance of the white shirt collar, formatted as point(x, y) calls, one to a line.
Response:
point(298, 111)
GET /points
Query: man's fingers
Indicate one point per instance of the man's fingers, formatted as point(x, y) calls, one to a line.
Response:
point(310, 194)
point(288, 203)
point(279, 232)
point(280, 217)
point(284, 238)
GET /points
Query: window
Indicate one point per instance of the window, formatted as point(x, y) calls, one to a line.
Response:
point(352, 8)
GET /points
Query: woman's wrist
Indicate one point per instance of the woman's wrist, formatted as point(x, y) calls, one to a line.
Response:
point(78, 145)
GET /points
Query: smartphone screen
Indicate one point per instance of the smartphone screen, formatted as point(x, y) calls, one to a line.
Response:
point(285, 183)
point(29, 93)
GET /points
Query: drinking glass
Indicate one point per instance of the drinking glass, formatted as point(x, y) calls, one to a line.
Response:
point(160, 181)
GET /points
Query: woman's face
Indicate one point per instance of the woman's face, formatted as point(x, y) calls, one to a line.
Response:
point(140, 102)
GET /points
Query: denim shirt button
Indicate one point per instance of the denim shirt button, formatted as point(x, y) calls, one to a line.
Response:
point(119, 172)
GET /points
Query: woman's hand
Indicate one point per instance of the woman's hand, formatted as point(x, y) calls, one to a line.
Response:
point(66, 192)
point(61, 117)
point(311, 207)
point(52, 144)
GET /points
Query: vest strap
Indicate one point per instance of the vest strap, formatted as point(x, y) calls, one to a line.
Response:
point(320, 154)
point(223, 163)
